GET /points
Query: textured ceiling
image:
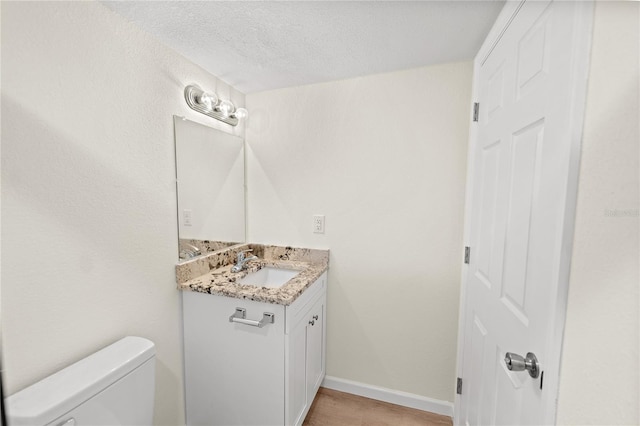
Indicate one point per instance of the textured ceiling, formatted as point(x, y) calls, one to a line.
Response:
point(256, 46)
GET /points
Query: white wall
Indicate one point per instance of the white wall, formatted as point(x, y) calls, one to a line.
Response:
point(384, 158)
point(599, 377)
point(89, 238)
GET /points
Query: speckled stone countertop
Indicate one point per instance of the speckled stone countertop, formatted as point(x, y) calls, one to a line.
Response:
point(206, 246)
point(212, 273)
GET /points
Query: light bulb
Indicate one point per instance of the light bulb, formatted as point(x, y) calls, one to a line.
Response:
point(208, 100)
point(226, 108)
point(241, 113)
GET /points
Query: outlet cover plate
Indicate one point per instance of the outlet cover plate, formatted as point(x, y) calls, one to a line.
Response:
point(318, 224)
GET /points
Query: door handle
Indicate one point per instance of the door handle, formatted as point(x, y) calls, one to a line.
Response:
point(530, 363)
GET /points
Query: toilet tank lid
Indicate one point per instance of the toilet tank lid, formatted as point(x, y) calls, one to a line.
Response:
point(59, 393)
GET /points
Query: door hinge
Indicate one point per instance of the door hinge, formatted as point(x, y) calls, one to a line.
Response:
point(467, 254)
point(459, 386)
point(476, 111)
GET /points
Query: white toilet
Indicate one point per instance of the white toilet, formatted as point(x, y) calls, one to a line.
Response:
point(114, 386)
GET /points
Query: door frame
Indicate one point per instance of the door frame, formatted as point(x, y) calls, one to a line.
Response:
point(579, 75)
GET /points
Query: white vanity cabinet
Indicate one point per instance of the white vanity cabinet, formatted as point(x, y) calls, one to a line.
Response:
point(241, 374)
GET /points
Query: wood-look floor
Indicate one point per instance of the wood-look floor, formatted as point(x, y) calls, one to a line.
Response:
point(333, 408)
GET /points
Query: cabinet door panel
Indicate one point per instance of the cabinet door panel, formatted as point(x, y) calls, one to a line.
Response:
point(233, 372)
point(315, 349)
point(297, 379)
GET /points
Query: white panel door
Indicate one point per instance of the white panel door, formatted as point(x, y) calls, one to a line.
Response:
point(523, 163)
point(315, 351)
point(296, 401)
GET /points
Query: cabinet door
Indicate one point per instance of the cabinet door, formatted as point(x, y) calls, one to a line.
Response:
point(297, 386)
point(305, 351)
point(315, 349)
point(233, 372)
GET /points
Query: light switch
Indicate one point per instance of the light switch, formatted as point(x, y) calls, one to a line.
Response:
point(186, 217)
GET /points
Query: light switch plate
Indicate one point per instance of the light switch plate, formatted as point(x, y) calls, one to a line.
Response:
point(186, 217)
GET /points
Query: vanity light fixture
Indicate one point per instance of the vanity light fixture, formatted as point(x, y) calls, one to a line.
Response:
point(208, 103)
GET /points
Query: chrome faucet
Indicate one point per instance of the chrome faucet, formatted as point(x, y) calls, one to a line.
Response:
point(190, 252)
point(242, 260)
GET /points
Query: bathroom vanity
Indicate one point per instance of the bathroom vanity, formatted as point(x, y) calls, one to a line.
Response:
point(254, 354)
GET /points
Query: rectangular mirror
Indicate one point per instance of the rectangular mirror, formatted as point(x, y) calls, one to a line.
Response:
point(210, 186)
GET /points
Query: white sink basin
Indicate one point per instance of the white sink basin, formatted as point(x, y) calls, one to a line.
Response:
point(269, 277)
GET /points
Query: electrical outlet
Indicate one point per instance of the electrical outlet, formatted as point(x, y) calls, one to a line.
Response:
point(186, 217)
point(318, 224)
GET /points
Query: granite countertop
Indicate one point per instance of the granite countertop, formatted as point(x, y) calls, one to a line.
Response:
point(212, 273)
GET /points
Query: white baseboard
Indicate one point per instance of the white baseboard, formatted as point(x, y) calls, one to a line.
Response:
point(389, 395)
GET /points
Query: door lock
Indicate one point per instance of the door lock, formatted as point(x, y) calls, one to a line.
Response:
point(515, 362)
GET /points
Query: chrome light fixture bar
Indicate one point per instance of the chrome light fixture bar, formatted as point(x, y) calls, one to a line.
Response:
point(208, 103)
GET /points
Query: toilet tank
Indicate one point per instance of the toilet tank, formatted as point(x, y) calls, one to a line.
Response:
point(114, 386)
